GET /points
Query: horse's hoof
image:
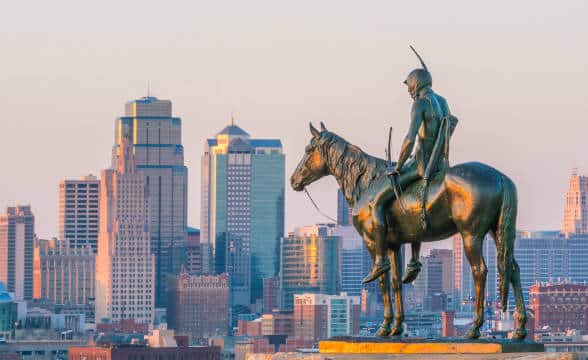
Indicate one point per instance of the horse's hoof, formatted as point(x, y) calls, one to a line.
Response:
point(412, 271)
point(473, 334)
point(396, 331)
point(383, 331)
point(519, 334)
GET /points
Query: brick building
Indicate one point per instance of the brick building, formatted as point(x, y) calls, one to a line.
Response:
point(125, 352)
point(198, 305)
point(560, 306)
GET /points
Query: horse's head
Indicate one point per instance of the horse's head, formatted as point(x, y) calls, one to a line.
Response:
point(312, 166)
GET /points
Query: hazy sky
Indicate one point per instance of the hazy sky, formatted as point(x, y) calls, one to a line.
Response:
point(514, 72)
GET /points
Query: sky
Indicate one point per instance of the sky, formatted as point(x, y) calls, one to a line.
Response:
point(514, 73)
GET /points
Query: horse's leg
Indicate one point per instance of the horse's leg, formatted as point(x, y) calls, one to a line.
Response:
point(521, 313)
point(384, 282)
point(472, 246)
point(396, 257)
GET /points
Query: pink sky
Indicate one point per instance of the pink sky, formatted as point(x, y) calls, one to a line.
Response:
point(513, 72)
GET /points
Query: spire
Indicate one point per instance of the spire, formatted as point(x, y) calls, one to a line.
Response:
point(232, 119)
point(148, 89)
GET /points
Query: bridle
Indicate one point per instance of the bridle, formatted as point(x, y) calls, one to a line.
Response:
point(316, 206)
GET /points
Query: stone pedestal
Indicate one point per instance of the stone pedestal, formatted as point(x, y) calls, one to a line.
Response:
point(371, 345)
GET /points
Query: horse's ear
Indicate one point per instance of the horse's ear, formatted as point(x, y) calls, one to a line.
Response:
point(323, 127)
point(315, 133)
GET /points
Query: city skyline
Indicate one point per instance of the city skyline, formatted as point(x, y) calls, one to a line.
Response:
point(346, 74)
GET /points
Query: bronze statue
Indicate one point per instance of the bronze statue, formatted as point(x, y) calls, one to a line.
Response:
point(471, 199)
point(431, 126)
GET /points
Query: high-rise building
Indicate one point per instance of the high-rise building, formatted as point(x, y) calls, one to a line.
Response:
point(310, 262)
point(271, 294)
point(575, 219)
point(198, 305)
point(319, 316)
point(125, 264)
point(156, 140)
point(78, 211)
point(429, 281)
point(193, 252)
point(560, 306)
point(64, 274)
point(242, 200)
point(356, 261)
point(445, 256)
point(344, 211)
point(17, 236)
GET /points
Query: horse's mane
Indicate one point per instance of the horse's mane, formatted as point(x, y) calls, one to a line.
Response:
point(354, 170)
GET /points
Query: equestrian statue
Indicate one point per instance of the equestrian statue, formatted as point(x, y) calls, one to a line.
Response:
point(421, 198)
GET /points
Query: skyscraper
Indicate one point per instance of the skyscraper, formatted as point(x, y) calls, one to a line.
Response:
point(344, 211)
point(17, 236)
point(78, 211)
point(575, 219)
point(242, 200)
point(156, 139)
point(125, 265)
point(310, 262)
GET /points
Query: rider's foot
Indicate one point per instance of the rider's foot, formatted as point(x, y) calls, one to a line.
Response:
point(377, 270)
point(412, 271)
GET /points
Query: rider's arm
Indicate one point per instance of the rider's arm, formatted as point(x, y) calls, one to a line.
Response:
point(416, 118)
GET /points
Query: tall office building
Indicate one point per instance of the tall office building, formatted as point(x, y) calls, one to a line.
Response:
point(445, 256)
point(78, 211)
point(242, 200)
point(125, 265)
point(575, 219)
point(193, 252)
point(156, 139)
point(17, 236)
point(64, 274)
point(310, 262)
point(344, 211)
point(356, 261)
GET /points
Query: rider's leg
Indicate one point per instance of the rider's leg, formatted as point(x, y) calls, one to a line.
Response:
point(414, 266)
point(378, 229)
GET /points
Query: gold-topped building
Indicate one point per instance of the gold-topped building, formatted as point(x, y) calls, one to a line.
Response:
point(575, 221)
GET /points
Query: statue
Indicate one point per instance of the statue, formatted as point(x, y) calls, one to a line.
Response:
point(471, 199)
point(431, 126)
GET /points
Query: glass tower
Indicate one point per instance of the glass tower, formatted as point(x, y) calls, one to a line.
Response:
point(242, 203)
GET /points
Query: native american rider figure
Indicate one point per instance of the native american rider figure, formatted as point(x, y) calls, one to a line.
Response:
point(431, 127)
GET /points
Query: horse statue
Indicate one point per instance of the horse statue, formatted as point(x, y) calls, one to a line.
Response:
point(471, 199)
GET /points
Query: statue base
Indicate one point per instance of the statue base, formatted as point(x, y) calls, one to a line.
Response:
point(399, 345)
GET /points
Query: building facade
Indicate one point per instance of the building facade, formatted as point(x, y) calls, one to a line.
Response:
point(243, 202)
point(310, 262)
point(271, 294)
point(6, 319)
point(560, 306)
point(125, 264)
point(319, 316)
point(344, 211)
point(198, 305)
point(17, 236)
point(156, 140)
point(64, 274)
point(356, 261)
point(78, 211)
point(575, 220)
point(193, 252)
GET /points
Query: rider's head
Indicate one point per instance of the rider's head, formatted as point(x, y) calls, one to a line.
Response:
point(417, 80)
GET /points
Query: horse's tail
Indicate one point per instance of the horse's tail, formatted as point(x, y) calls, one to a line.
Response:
point(505, 237)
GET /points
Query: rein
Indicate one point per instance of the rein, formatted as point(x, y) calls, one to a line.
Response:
point(317, 208)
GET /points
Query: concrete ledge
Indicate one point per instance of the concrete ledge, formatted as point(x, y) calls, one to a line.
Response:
point(366, 345)
point(509, 356)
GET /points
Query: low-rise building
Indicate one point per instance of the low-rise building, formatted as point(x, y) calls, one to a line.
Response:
point(560, 306)
point(319, 316)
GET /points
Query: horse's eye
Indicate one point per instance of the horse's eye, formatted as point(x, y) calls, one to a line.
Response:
point(308, 149)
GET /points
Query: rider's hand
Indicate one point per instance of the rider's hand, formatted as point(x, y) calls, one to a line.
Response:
point(392, 171)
